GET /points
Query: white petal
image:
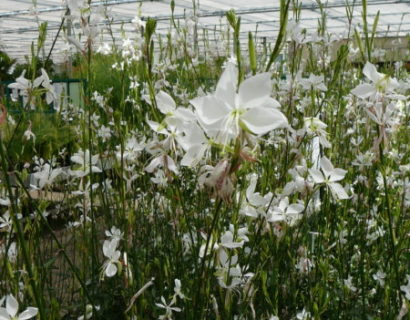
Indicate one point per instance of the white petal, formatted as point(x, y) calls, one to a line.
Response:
point(210, 109)
point(226, 87)
point(37, 81)
point(316, 175)
point(95, 169)
point(326, 166)
point(338, 191)
point(371, 73)
point(155, 126)
point(295, 208)
point(111, 270)
point(77, 159)
point(276, 217)
point(254, 90)
point(156, 162)
point(194, 135)
point(12, 305)
point(249, 211)
point(270, 103)
point(116, 256)
point(364, 90)
point(4, 315)
point(107, 248)
point(165, 102)
point(262, 120)
point(184, 114)
point(193, 155)
point(29, 313)
point(170, 164)
point(337, 174)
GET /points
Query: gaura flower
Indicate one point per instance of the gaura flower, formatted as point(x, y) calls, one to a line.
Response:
point(113, 256)
point(228, 111)
point(379, 83)
point(82, 158)
point(11, 309)
point(330, 177)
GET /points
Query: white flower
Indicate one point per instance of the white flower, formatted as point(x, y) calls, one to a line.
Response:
point(88, 312)
point(255, 204)
point(113, 255)
point(380, 83)
point(132, 150)
point(349, 283)
point(195, 143)
point(379, 277)
point(104, 48)
point(104, 133)
point(83, 159)
point(162, 161)
point(114, 233)
point(24, 87)
point(47, 175)
point(225, 113)
point(303, 315)
point(168, 308)
point(177, 289)
point(51, 96)
point(330, 176)
point(299, 183)
point(316, 127)
point(11, 309)
point(229, 272)
point(289, 213)
point(6, 221)
point(313, 82)
point(227, 239)
point(138, 23)
point(174, 116)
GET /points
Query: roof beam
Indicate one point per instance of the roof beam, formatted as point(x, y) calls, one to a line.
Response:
point(62, 8)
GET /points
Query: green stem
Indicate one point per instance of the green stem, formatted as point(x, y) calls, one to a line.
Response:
point(20, 235)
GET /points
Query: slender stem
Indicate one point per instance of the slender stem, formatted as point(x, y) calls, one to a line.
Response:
point(37, 296)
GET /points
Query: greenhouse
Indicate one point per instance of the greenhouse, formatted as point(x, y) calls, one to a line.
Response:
point(204, 159)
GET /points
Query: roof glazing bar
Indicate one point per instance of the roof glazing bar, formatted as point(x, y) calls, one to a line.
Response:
point(62, 8)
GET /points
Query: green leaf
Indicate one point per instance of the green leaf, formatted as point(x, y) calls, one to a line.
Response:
point(252, 53)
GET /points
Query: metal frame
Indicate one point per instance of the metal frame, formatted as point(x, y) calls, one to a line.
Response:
point(14, 34)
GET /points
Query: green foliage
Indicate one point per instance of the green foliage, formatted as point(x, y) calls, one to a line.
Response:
point(5, 66)
point(51, 136)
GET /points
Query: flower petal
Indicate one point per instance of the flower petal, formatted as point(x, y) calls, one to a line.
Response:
point(29, 313)
point(193, 155)
point(226, 87)
point(210, 109)
point(371, 73)
point(165, 102)
point(295, 208)
point(337, 174)
point(262, 120)
point(156, 162)
point(111, 270)
point(4, 315)
point(12, 305)
point(326, 166)
point(316, 175)
point(364, 90)
point(170, 164)
point(254, 90)
point(338, 191)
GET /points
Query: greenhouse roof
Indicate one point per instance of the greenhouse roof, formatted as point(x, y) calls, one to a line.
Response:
point(19, 19)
